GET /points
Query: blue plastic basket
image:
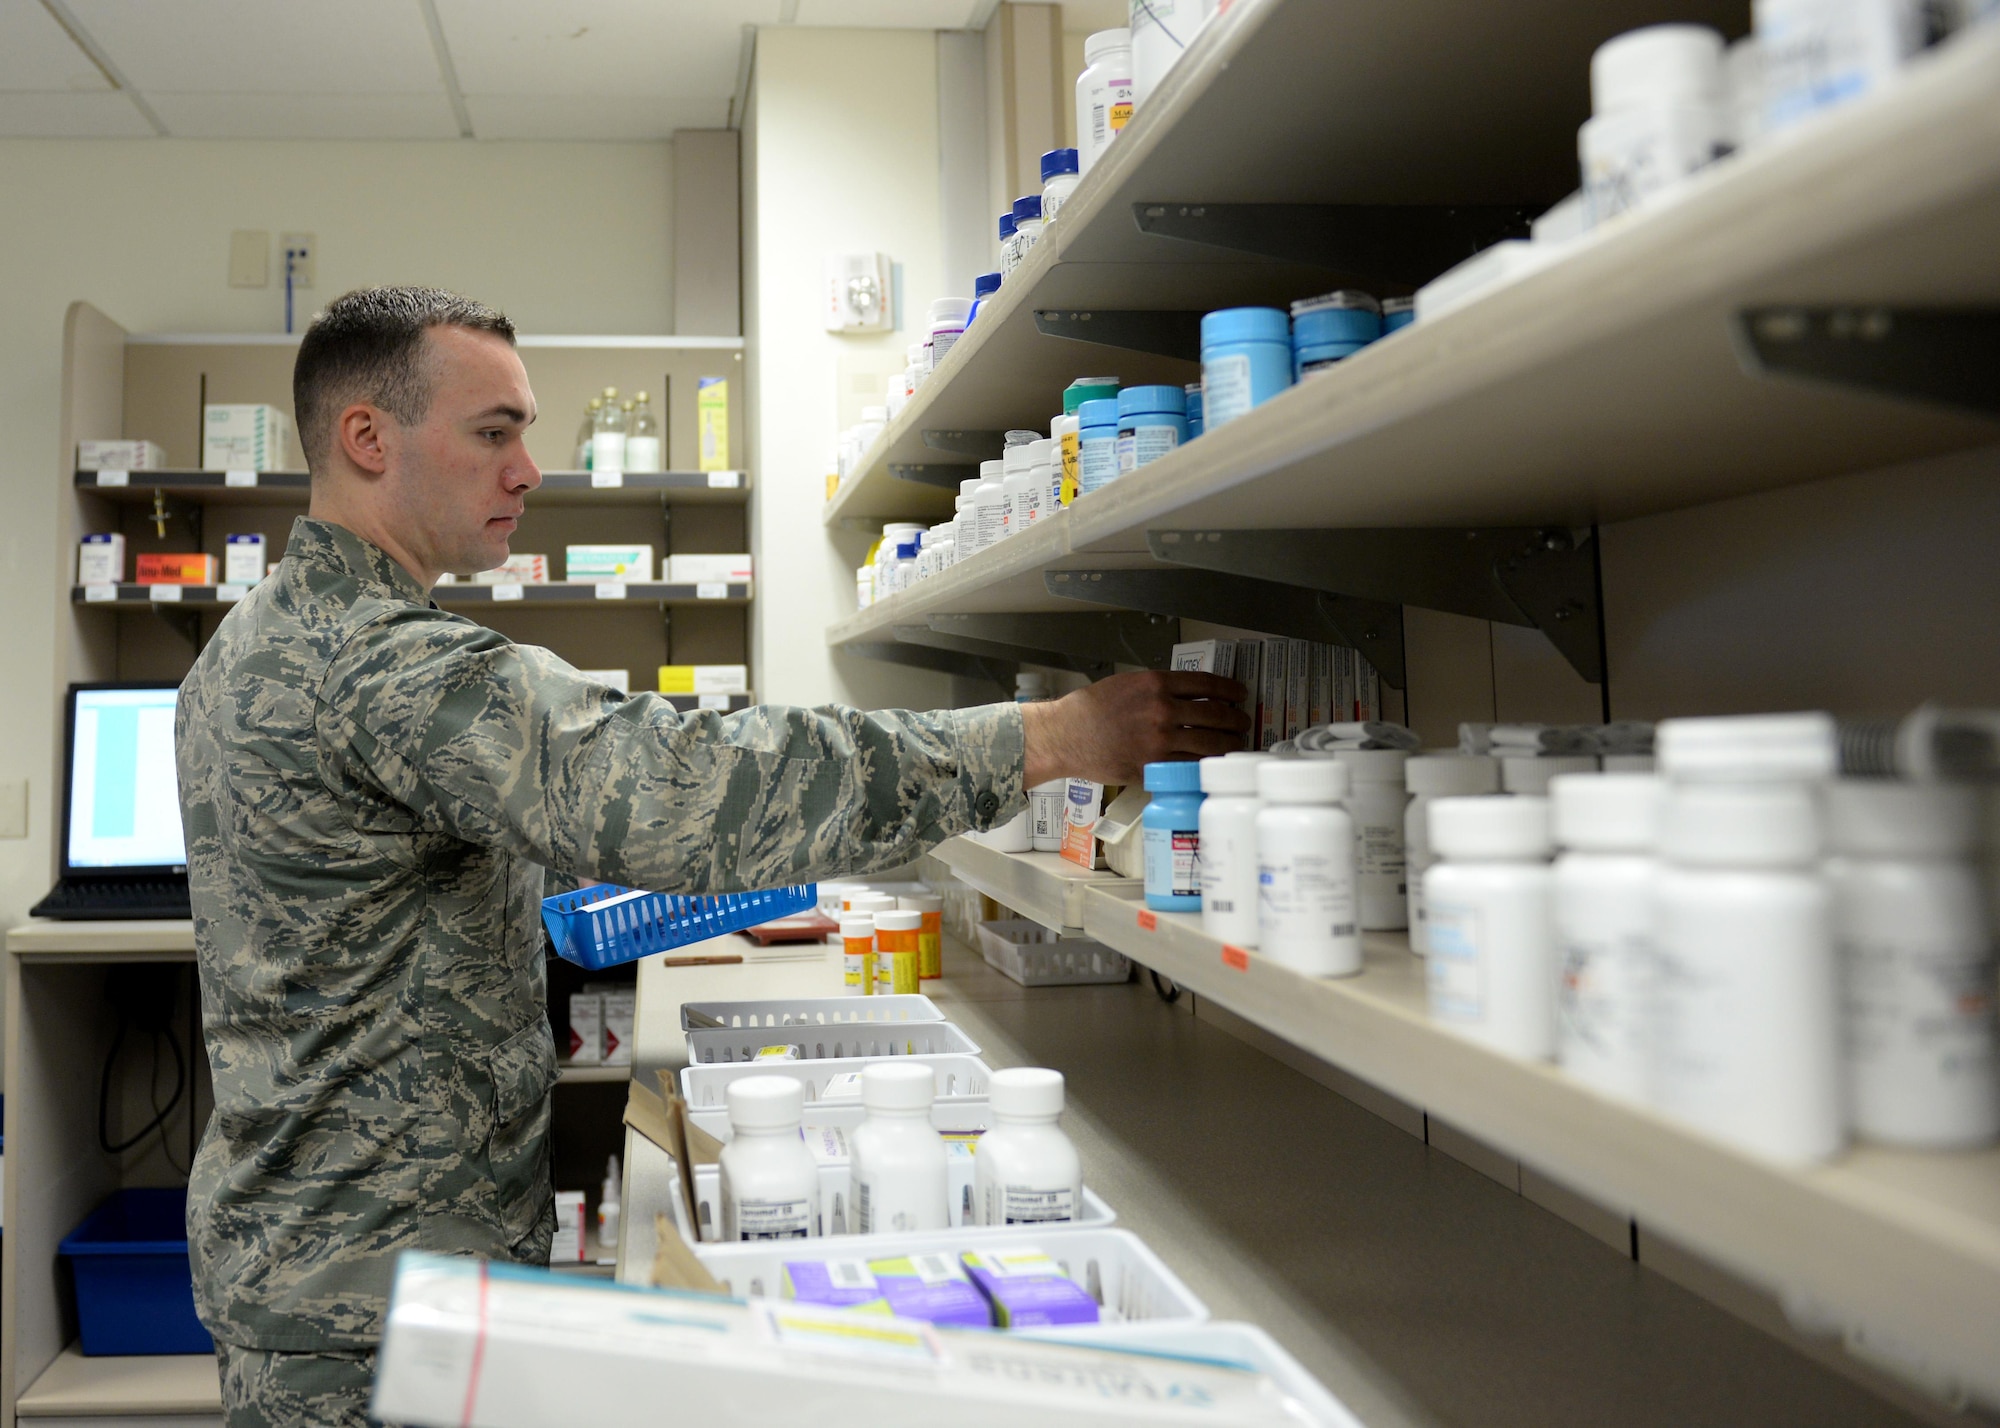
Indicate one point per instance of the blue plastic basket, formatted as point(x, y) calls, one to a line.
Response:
point(134, 1286)
point(602, 926)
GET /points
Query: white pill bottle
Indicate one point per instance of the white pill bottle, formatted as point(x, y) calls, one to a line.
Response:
point(1490, 970)
point(1025, 1171)
point(1103, 94)
point(1306, 915)
point(769, 1182)
point(901, 1179)
point(1376, 800)
point(1227, 825)
point(1429, 777)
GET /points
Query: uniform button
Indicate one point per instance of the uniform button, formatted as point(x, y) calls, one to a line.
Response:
point(986, 805)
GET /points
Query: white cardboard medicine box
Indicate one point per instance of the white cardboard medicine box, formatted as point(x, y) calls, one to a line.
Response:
point(243, 436)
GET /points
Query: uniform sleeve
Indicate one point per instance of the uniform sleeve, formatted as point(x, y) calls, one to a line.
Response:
point(505, 744)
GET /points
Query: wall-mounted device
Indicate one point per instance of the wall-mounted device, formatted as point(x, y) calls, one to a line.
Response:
point(858, 296)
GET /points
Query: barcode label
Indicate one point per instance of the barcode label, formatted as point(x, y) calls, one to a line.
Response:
point(507, 590)
point(239, 478)
point(611, 590)
point(114, 478)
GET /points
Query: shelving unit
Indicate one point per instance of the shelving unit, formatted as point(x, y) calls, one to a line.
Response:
point(558, 488)
point(567, 593)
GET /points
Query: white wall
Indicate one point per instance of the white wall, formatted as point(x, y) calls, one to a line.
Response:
point(564, 237)
point(840, 155)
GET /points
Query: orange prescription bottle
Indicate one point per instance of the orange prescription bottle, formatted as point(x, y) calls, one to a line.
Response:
point(930, 936)
point(896, 936)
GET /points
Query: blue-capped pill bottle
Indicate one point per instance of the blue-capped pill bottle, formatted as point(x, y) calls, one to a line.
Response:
point(1193, 397)
point(1246, 359)
point(1096, 445)
point(983, 287)
point(1152, 421)
point(1332, 326)
point(1171, 829)
point(1010, 245)
point(1397, 312)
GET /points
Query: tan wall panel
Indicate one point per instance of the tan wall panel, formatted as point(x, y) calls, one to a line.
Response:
point(1450, 661)
point(708, 237)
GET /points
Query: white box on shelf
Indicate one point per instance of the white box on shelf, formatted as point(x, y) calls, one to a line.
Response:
point(586, 1029)
point(629, 563)
point(704, 679)
point(618, 679)
point(567, 1247)
point(100, 559)
point(695, 569)
point(521, 569)
point(242, 559)
point(619, 1009)
point(243, 436)
point(120, 456)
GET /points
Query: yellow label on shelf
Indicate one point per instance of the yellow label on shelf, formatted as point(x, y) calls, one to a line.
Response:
point(711, 420)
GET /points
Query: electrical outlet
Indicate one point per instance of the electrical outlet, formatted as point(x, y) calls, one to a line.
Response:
point(14, 808)
point(249, 258)
point(301, 252)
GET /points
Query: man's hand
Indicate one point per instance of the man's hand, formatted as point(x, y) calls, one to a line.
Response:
point(1111, 730)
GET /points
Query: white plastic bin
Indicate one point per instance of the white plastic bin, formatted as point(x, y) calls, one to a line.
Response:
point(862, 1040)
point(1128, 1280)
point(1222, 1342)
point(1036, 957)
point(807, 1011)
point(959, 1078)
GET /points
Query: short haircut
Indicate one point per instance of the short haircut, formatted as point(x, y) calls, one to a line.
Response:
point(368, 346)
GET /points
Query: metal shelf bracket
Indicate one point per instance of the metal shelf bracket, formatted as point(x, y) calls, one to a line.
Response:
point(927, 475)
point(1944, 355)
point(1090, 644)
point(1372, 627)
point(1162, 334)
point(944, 661)
point(1401, 244)
point(1544, 578)
point(985, 445)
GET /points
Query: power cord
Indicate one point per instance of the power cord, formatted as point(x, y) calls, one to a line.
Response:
point(143, 998)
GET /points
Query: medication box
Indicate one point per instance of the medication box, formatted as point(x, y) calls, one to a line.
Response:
point(608, 562)
point(100, 559)
point(619, 1009)
point(567, 1246)
point(243, 559)
point(1028, 1289)
point(704, 679)
point(243, 436)
point(176, 569)
point(119, 456)
point(700, 569)
point(517, 569)
point(134, 1286)
point(586, 1029)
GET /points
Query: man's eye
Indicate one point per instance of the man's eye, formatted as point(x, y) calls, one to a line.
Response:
point(494, 435)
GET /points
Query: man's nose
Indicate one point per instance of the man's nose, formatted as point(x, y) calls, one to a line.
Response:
point(522, 474)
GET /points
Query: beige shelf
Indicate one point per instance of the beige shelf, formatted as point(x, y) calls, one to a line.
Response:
point(1045, 887)
point(568, 1075)
point(139, 939)
point(558, 488)
point(75, 1386)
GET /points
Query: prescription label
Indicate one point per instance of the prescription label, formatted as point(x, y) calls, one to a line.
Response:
point(1454, 969)
point(1225, 389)
point(1021, 1205)
point(771, 1219)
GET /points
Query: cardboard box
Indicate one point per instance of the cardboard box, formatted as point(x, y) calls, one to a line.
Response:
point(1205, 657)
point(1298, 685)
point(586, 1029)
point(517, 570)
point(620, 1006)
point(707, 569)
point(1272, 691)
point(567, 1247)
point(100, 559)
point(1028, 1289)
point(120, 456)
point(1083, 803)
point(704, 679)
point(631, 563)
point(243, 436)
point(711, 421)
point(243, 559)
point(174, 568)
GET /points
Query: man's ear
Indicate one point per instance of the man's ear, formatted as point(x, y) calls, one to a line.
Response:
point(359, 432)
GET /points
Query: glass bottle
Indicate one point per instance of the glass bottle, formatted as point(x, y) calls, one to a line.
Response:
point(607, 440)
point(586, 431)
point(642, 437)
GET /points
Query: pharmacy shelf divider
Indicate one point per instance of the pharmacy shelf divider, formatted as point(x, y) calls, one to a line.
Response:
point(1918, 1234)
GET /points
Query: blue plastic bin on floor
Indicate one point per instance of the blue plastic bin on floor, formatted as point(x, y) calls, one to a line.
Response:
point(134, 1286)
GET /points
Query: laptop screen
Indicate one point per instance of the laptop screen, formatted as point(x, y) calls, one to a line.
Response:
point(124, 811)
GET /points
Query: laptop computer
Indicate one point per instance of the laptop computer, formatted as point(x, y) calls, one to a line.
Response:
point(123, 853)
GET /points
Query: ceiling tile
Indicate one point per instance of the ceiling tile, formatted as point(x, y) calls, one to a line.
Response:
point(687, 48)
point(265, 46)
point(35, 53)
point(887, 14)
point(305, 116)
point(542, 116)
point(71, 116)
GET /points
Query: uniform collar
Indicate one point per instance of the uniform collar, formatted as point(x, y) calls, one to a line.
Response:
point(333, 547)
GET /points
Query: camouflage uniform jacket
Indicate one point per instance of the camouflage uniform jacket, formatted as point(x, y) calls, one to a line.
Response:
point(371, 790)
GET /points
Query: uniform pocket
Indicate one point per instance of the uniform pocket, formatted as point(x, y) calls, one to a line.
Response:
point(523, 1070)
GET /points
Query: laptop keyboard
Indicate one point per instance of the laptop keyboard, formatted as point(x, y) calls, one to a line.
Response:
point(138, 897)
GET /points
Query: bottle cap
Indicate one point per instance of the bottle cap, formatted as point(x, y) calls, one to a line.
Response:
point(992, 470)
point(985, 285)
point(1019, 436)
point(1339, 299)
point(1373, 766)
point(1134, 400)
point(1098, 413)
point(1179, 776)
point(1027, 1091)
point(919, 903)
point(948, 310)
point(1530, 773)
point(968, 486)
point(1006, 226)
point(1058, 161)
point(1749, 748)
point(1451, 775)
point(765, 1102)
point(906, 550)
point(1246, 324)
point(1016, 460)
point(1322, 320)
point(898, 1086)
point(1042, 452)
point(1104, 42)
point(1884, 818)
point(914, 354)
point(1301, 780)
point(891, 919)
point(1607, 812)
point(1742, 825)
point(1234, 775)
point(1660, 64)
point(870, 902)
point(857, 925)
point(1027, 207)
point(1490, 827)
point(610, 394)
point(638, 397)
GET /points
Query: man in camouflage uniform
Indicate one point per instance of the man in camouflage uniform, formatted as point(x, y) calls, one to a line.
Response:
point(371, 790)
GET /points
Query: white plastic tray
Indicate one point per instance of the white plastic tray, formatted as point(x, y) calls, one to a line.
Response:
point(835, 1204)
point(959, 1078)
point(852, 1040)
point(1224, 1342)
point(1036, 957)
point(816, 1011)
point(1125, 1277)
